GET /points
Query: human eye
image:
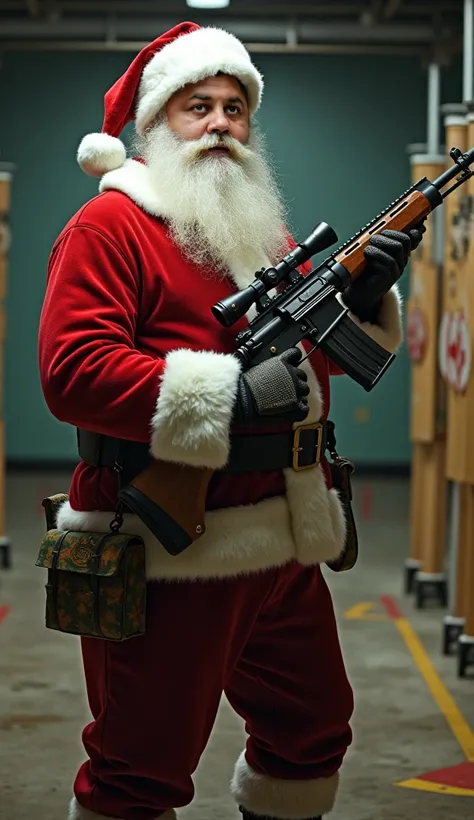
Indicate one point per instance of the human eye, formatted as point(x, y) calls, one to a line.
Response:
point(199, 108)
point(235, 109)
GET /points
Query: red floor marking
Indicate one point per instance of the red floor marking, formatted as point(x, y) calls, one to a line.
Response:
point(460, 776)
point(4, 610)
point(391, 607)
point(366, 503)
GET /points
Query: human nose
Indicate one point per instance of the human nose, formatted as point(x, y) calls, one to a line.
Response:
point(218, 122)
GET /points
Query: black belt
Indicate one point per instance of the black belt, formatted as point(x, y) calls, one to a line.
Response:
point(300, 449)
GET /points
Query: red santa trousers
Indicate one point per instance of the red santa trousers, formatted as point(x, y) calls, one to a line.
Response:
point(269, 641)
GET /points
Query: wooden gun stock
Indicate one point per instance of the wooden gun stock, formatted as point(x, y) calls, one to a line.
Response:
point(170, 499)
point(406, 213)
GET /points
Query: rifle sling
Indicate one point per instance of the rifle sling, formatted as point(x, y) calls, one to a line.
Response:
point(274, 451)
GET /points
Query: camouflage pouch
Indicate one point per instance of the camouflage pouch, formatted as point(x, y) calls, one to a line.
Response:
point(96, 581)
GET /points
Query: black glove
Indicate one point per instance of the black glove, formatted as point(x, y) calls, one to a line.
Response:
point(387, 256)
point(275, 389)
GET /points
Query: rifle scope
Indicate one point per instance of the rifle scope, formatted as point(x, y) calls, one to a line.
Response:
point(233, 307)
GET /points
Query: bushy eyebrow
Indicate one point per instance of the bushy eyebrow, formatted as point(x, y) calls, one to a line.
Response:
point(206, 97)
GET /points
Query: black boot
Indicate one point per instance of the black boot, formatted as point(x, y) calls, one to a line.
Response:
point(247, 815)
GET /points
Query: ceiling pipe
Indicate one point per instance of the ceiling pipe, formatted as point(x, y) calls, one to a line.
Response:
point(468, 51)
point(329, 9)
point(433, 118)
point(247, 30)
point(134, 46)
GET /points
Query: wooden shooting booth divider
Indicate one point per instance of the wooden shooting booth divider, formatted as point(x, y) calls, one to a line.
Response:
point(424, 569)
point(5, 186)
point(456, 135)
point(456, 343)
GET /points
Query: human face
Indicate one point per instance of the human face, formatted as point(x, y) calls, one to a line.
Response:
point(216, 105)
point(222, 208)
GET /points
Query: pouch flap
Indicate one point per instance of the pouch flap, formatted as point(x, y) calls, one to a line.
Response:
point(51, 506)
point(77, 550)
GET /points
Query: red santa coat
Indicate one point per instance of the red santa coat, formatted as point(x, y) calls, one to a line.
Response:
point(128, 347)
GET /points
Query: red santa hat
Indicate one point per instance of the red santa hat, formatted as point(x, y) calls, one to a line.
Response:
point(185, 54)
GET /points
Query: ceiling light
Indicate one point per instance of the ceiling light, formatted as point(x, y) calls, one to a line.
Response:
point(208, 4)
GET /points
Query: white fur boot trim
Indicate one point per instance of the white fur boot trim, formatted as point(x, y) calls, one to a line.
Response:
point(77, 812)
point(288, 799)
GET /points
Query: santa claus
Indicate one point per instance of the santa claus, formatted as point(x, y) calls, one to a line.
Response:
point(130, 351)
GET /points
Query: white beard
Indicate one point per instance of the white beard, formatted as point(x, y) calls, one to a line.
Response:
point(222, 211)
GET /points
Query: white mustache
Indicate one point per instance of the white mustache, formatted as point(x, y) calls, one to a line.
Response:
point(193, 149)
point(221, 211)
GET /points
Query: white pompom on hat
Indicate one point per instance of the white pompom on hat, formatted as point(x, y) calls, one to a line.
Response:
point(185, 54)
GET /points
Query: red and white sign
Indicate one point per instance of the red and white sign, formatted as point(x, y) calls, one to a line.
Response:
point(455, 350)
point(417, 334)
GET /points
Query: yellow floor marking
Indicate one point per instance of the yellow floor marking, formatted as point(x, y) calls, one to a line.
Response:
point(445, 702)
point(448, 708)
point(363, 612)
point(437, 788)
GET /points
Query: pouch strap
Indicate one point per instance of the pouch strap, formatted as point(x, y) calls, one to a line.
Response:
point(94, 579)
point(52, 573)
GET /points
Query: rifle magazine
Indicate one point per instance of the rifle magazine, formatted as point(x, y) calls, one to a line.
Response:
point(356, 353)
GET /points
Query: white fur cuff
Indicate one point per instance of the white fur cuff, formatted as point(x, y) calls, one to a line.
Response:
point(193, 414)
point(289, 799)
point(388, 331)
point(77, 812)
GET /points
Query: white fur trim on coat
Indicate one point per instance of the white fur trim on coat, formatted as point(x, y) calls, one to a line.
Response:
point(237, 541)
point(134, 179)
point(189, 59)
point(388, 332)
point(193, 415)
point(99, 153)
point(77, 812)
point(306, 526)
point(288, 799)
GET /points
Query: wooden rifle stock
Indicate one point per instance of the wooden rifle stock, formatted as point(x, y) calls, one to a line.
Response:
point(406, 213)
point(171, 499)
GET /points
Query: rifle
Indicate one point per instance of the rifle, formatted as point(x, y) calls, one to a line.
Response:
point(170, 498)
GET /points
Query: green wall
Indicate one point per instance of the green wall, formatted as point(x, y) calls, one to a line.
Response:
point(337, 128)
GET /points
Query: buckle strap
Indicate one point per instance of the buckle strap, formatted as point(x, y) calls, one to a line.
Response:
point(316, 446)
point(301, 449)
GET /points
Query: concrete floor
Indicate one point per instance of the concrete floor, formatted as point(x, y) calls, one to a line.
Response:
point(399, 730)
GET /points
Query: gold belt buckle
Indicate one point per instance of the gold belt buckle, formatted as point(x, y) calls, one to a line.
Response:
point(297, 449)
